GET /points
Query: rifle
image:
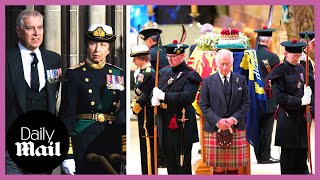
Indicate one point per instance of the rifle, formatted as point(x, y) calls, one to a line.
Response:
point(308, 118)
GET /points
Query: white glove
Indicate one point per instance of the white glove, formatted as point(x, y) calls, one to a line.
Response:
point(155, 101)
point(158, 93)
point(305, 100)
point(307, 91)
point(69, 166)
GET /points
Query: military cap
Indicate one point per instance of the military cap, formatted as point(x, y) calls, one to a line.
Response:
point(310, 34)
point(139, 50)
point(265, 31)
point(146, 33)
point(294, 46)
point(101, 33)
point(175, 48)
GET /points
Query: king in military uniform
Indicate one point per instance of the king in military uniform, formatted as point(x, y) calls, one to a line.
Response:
point(288, 79)
point(177, 125)
point(267, 60)
point(93, 108)
point(144, 82)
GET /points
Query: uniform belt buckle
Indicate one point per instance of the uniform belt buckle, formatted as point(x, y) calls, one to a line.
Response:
point(100, 117)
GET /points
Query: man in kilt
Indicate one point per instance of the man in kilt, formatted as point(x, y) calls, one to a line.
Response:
point(224, 102)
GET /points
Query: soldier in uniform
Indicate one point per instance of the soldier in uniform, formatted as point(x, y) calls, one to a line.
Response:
point(93, 107)
point(178, 85)
point(267, 60)
point(151, 37)
point(292, 95)
point(311, 47)
point(144, 82)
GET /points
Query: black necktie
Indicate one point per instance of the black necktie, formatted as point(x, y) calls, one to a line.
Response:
point(225, 83)
point(34, 73)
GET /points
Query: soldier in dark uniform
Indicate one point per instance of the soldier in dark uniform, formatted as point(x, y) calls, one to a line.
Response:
point(178, 85)
point(144, 82)
point(292, 95)
point(267, 60)
point(311, 47)
point(151, 37)
point(93, 107)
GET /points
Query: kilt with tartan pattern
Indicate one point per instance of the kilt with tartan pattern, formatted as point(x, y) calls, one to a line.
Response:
point(234, 156)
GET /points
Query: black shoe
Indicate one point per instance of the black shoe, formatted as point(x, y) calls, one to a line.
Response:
point(268, 161)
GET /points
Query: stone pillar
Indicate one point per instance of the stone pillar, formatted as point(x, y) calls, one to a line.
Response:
point(52, 31)
point(97, 14)
point(74, 35)
point(120, 32)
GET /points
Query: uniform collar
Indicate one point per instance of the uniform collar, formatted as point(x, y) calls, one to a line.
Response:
point(94, 65)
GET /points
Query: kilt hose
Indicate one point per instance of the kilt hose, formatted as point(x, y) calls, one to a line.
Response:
point(234, 156)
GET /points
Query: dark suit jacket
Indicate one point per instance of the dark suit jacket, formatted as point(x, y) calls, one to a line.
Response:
point(16, 85)
point(213, 104)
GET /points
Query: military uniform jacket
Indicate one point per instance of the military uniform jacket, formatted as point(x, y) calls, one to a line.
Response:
point(311, 67)
point(163, 61)
point(15, 83)
point(179, 93)
point(87, 90)
point(288, 88)
point(144, 85)
point(263, 53)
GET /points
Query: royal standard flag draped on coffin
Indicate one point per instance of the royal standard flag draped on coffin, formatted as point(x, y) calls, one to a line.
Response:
point(245, 63)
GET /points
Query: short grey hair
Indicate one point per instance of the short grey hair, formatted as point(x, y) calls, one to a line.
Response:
point(154, 38)
point(263, 38)
point(224, 52)
point(24, 14)
point(206, 28)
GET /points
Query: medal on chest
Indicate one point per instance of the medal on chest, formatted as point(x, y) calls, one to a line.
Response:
point(115, 82)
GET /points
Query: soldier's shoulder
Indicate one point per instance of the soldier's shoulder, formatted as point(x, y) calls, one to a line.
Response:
point(77, 66)
point(277, 71)
point(269, 51)
point(194, 75)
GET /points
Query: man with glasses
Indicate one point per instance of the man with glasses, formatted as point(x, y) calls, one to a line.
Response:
point(177, 125)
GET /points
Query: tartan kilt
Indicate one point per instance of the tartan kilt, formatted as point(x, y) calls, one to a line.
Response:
point(234, 156)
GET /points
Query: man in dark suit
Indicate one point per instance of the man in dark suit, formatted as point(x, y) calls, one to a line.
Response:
point(267, 60)
point(224, 102)
point(151, 37)
point(32, 74)
point(93, 107)
point(178, 85)
point(292, 95)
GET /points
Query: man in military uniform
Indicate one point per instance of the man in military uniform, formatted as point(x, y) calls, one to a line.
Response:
point(144, 82)
point(311, 47)
point(151, 37)
point(292, 96)
point(93, 107)
point(267, 60)
point(178, 85)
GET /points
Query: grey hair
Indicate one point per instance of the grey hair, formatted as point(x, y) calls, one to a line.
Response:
point(263, 38)
point(206, 28)
point(154, 38)
point(224, 52)
point(24, 14)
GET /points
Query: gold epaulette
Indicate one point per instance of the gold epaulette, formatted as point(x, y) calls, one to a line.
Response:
point(114, 66)
point(77, 66)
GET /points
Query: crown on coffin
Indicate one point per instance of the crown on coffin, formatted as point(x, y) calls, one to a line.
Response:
point(227, 34)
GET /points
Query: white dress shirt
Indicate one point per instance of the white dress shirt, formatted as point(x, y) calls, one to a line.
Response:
point(27, 59)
